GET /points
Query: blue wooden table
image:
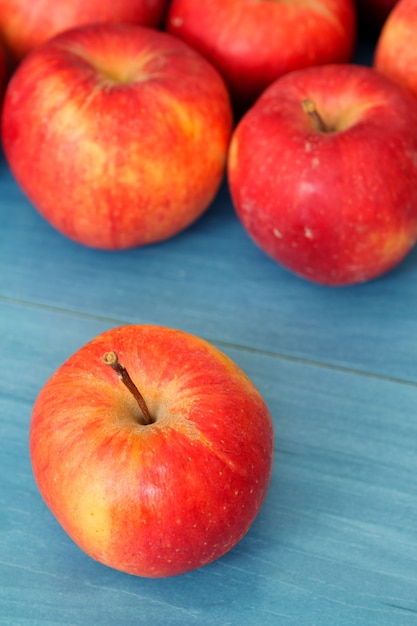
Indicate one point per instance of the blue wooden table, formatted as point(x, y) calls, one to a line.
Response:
point(336, 540)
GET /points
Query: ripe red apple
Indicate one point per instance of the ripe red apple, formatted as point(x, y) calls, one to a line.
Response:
point(118, 134)
point(253, 43)
point(164, 473)
point(24, 25)
point(323, 172)
point(396, 50)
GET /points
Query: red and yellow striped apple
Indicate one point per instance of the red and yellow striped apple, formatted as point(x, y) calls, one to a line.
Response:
point(24, 25)
point(253, 43)
point(118, 134)
point(323, 171)
point(158, 464)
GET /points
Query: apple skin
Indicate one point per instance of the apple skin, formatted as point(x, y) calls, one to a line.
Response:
point(336, 207)
point(118, 134)
point(3, 74)
point(24, 25)
point(253, 43)
point(161, 499)
point(396, 51)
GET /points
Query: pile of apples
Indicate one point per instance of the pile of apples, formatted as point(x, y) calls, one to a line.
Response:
point(119, 122)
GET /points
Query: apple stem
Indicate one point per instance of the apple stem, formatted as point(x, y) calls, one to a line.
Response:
point(309, 107)
point(111, 358)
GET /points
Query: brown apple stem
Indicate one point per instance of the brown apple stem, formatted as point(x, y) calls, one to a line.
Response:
point(111, 358)
point(309, 107)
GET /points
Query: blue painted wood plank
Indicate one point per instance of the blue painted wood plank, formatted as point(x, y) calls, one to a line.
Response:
point(335, 542)
point(213, 281)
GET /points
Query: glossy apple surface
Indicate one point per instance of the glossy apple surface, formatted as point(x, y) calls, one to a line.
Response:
point(253, 43)
point(336, 204)
point(118, 134)
point(24, 25)
point(154, 499)
point(396, 49)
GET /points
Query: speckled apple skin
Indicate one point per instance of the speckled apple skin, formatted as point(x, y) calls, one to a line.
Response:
point(336, 207)
point(117, 134)
point(161, 499)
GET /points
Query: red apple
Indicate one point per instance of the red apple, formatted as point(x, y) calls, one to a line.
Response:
point(323, 172)
point(159, 490)
point(3, 73)
point(24, 25)
point(118, 134)
point(396, 50)
point(253, 43)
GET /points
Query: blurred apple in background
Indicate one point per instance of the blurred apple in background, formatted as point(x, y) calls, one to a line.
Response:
point(396, 50)
point(323, 172)
point(24, 25)
point(161, 491)
point(3, 74)
point(253, 43)
point(118, 134)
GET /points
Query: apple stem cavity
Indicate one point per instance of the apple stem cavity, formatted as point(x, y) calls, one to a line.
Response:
point(111, 358)
point(309, 108)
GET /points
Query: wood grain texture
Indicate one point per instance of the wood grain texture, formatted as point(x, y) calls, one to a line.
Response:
point(213, 281)
point(336, 540)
